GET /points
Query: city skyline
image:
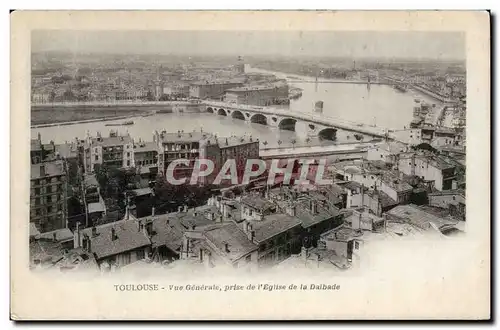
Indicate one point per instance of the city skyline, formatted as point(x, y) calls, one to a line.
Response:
point(355, 44)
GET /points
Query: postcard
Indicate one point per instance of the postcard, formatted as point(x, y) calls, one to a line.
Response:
point(250, 165)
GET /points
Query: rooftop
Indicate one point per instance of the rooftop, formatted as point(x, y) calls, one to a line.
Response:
point(145, 146)
point(128, 237)
point(182, 137)
point(273, 225)
point(308, 219)
point(60, 235)
point(238, 244)
point(47, 169)
point(66, 150)
point(418, 217)
point(90, 180)
point(228, 142)
point(111, 141)
point(258, 203)
point(342, 233)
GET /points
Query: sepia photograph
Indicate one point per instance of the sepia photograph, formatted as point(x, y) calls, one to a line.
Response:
point(201, 153)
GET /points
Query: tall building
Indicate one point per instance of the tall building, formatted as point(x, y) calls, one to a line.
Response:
point(180, 145)
point(115, 150)
point(220, 150)
point(48, 195)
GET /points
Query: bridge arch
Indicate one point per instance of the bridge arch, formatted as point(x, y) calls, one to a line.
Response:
point(210, 110)
point(287, 124)
point(328, 134)
point(222, 112)
point(259, 119)
point(237, 115)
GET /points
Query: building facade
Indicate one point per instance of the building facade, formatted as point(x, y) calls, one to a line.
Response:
point(48, 196)
point(112, 151)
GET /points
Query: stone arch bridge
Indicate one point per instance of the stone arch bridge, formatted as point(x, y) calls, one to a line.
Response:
point(317, 125)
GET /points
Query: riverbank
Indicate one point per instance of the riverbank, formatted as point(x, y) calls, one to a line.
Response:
point(58, 117)
point(83, 121)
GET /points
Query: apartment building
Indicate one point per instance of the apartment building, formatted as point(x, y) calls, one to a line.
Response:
point(112, 151)
point(48, 195)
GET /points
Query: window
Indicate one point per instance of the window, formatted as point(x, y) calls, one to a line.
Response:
point(453, 197)
point(49, 209)
point(128, 162)
point(364, 176)
point(128, 154)
point(37, 201)
point(37, 191)
point(356, 245)
point(140, 254)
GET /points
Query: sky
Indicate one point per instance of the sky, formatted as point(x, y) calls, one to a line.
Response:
point(435, 45)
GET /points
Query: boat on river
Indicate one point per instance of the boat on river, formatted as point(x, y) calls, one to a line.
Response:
point(125, 123)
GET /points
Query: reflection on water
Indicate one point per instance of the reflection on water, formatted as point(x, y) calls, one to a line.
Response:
point(379, 105)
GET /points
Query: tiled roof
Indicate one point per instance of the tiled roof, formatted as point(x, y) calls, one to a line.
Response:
point(418, 217)
point(308, 219)
point(53, 168)
point(63, 234)
point(273, 225)
point(237, 241)
point(129, 237)
point(257, 202)
point(145, 147)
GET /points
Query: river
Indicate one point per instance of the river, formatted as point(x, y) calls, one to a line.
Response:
point(378, 105)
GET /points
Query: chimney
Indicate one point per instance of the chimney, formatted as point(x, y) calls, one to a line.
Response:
point(313, 206)
point(94, 231)
point(303, 254)
point(226, 247)
point(39, 137)
point(76, 236)
point(179, 209)
point(292, 210)
point(225, 211)
point(113, 234)
point(42, 170)
point(54, 236)
point(185, 208)
point(227, 142)
point(153, 211)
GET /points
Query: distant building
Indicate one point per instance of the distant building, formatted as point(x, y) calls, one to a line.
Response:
point(212, 90)
point(48, 196)
point(258, 95)
point(114, 151)
point(177, 90)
